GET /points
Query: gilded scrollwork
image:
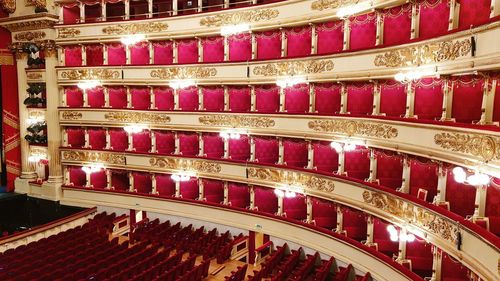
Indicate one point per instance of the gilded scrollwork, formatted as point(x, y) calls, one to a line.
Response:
point(425, 54)
point(294, 68)
point(321, 5)
point(237, 121)
point(34, 75)
point(8, 5)
point(138, 117)
point(68, 32)
point(186, 165)
point(239, 17)
point(86, 74)
point(305, 180)
point(184, 73)
point(354, 128)
point(29, 35)
point(71, 115)
point(90, 156)
point(483, 146)
point(135, 28)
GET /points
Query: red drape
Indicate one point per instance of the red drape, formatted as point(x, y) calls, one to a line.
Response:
point(420, 254)
point(473, 12)
point(94, 54)
point(213, 49)
point(496, 103)
point(295, 208)
point(295, 153)
point(382, 237)
point(238, 195)
point(139, 53)
point(141, 142)
point(165, 186)
point(164, 98)
point(213, 191)
point(163, 52)
point(397, 24)
point(187, 51)
point(266, 150)
point(389, 169)
point(77, 176)
point(460, 196)
point(189, 189)
point(467, 99)
point(330, 37)
point(363, 31)
point(74, 96)
point(188, 99)
point(118, 139)
point(73, 55)
point(357, 163)
point(360, 98)
point(71, 14)
point(117, 97)
point(120, 180)
point(116, 54)
point(452, 269)
point(267, 99)
point(327, 98)
point(96, 97)
point(165, 142)
point(99, 179)
point(97, 138)
point(268, 45)
point(213, 145)
point(76, 137)
point(354, 224)
point(239, 149)
point(299, 41)
point(213, 98)
point(142, 182)
point(240, 100)
point(392, 98)
point(428, 98)
point(141, 98)
point(493, 205)
point(297, 98)
point(324, 213)
point(434, 15)
point(423, 176)
point(240, 47)
point(265, 200)
point(188, 144)
point(325, 159)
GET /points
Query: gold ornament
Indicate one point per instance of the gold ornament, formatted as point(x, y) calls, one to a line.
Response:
point(86, 74)
point(185, 165)
point(71, 115)
point(483, 146)
point(354, 128)
point(184, 72)
point(294, 68)
point(135, 28)
point(307, 181)
point(29, 36)
point(34, 75)
point(237, 121)
point(8, 5)
point(239, 17)
point(90, 156)
point(137, 117)
point(321, 5)
point(68, 32)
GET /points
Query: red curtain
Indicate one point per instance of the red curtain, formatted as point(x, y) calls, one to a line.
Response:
point(239, 149)
point(188, 144)
point(240, 99)
point(325, 159)
point(298, 41)
point(420, 254)
point(295, 208)
point(164, 98)
point(295, 153)
point(265, 200)
point(142, 182)
point(496, 103)
point(99, 179)
point(141, 142)
point(268, 44)
point(240, 47)
point(120, 180)
point(165, 142)
point(324, 213)
point(141, 98)
point(163, 52)
point(434, 15)
point(397, 25)
point(363, 31)
point(76, 137)
point(213, 49)
point(71, 14)
point(297, 99)
point(188, 99)
point(423, 176)
point(267, 99)
point(357, 163)
point(95, 54)
point(74, 96)
point(213, 145)
point(96, 97)
point(467, 99)
point(330, 37)
point(189, 189)
point(165, 186)
point(77, 176)
point(327, 98)
point(389, 169)
point(213, 98)
point(473, 12)
point(73, 55)
point(452, 269)
point(460, 196)
point(382, 237)
point(117, 97)
point(187, 51)
point(266, 150)
point(92, 11)
point(116, 54)
point(118, 139)
point(139, 53)
point(393, 98)
point(428, 98)
point(360, 98)
point(97, 138)
point(213, 190)
point(354, 224)
point(238, 195)
point(493, 205)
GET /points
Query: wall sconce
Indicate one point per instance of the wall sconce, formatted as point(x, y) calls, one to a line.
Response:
point(132, 39)
point(88, 84)
point(93, 168)
point(288, 191)
point(35, 158)
point(347, 146)
point(230, 134)
point(234, 29)
point(412, 75)
point(132, 129)
point(182, 176)
point(181, 84)
point(476, 179)
point(290, 81)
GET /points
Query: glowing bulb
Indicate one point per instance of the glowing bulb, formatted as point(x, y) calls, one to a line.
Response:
point(349, 147)
point(400, 77)
point(88, 84)
point(337, 146)
point(181, 84)
point(280, 193)
point(290, 81)
point(459, 175)
point(478, 179)
point(132, 39)
point(92, 168)
point(133, 129)
point(290, 194)
point(234, 29)
point(230, 135)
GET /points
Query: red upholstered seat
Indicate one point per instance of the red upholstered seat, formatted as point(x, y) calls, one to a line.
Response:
point(213, 145)
point(239, 149)
point(298, 41)
point(165, 142)
point(213, 49)
point(266, 150)
point(297, 99)
point(188, 144)
point(141, 98)
point(189, 189)
point(238, 195)
point(239, 99)
point(467, 99)
point(213, 98)
point(76, 137)
point(325, 158)
point(428, 98)
point(240, 47)
point(265, 200)
point(97, 138)
point(268, 44)
point(327, 98)
point(165, 186)
point(187, 51)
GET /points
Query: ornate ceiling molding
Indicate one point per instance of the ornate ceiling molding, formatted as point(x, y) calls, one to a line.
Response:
point(425, 54)
point(30, 22)
point(237, 121)
point(294, 68)
point(184, 72)
point(307, 181)
point(138, 117)
point(134, 28)
point(321, 5)
point(82, 74)
point(186, 165)
point(239, 17)
point(354, 128)
point(90, 156)
point(71, 115)
point(67, 32)
point(29, 36)
point(485, 147)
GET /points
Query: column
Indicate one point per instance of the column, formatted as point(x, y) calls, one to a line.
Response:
point(226, 98)
point(310, 155)
point(453, 19)
point(87, 180)
point(282, 100)
point(130, 142)
point(341, 169)
point(343, 99)
point(369, 231)
point(410, 101)
point(402, 247)
point(480, 203)
point(441, 187)
point(65, 137)
point(281, 151)
point(309, 218)
point(312, 99)
point(127, 9)
point(488, 100)
point(60, 10)
point(283, 43)
point(151, 52)
point(176, 99)
point(226, 48)
point(201, 152)
point(60, 55)
point(200, 5)
point(200, 45)
point(347, 34)
point(254, 46)
point(152, 101)
point(174, 47)
point(340, 220)
point(27, 170)
point(87, 138)
point(280, 206)
point(447, 100)
point(314, 40)
point(153, 184)
point(106, 97)
point(201, 190)
point(201, 106)
point(252, 149)
point(177, 143)
point(85, 98)
point(108, 180)
point(415, 19)
point(103, 10)
point(150, 9)
point(127, 54)
point(380, 29)
point(226, 4)
point(177, 189)
point(152, 135)
point(373, 166)
point(175, 8)
point(108, 139)
point(436, 263)
point(226, 148)
point(226, 193)
point(405, 183)
point(376, 99)
point(82, 12)
point(253, 99)
point(129, 97)
point(252, 197)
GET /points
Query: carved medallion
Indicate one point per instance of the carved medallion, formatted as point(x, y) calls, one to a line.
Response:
point(186, 165)
point(425, 54)
point(90, 156)
point(68, 32)
point(135, 28)
point(184, 72)
point(8, 5)
point(354, 128)
point(237, 121)
point(483, 146)
point(321, 5)
point(85, 74)
point(239, 17)
point(305, 180)
point(29, 36)
point(71, 115)
point(294, 68)
point(137, 117)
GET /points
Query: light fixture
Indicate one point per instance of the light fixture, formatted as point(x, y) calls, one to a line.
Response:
point(476, 179)
point(88, 84)
point(288, 191)
point(412, 75)
point(230, 134)
point(348, 146)
point(182, 176)
point(93, 168)
point(234, 29)
point(350, 10)
point(290, 81)
point(34, 120)
point(396, 235)
point(337, 146)
point(181, 84)
point(133, 129)
point(35, 158)
point(132, 39)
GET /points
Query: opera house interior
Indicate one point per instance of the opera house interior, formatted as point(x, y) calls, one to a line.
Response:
point(264, 140)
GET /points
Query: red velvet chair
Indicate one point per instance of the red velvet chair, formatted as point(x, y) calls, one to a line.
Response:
point(295, 153)
point(496, 104)
point(74, 97)
point(77, 177)
point(120, 180)
point(165, 186)
point(397, 24)
point(354, 224)
point(266, 150)
point(71, 13)
point(363, 30)
point(239, 149)
point(213, 49)
point(357, 163)
point(117, 97)
point(298, 41)
point(428, 98)
point(434, 17)
point(116, 54)
point(96, 97)
point(330, 37)
point(213, 191)
point(360, 98)
point(460, 196)
point(240, 47)
point(324, 213)
point(453, 270)
point(165, 142)
point(139, 53)
point(141, 98)
point(392, 99)
point(164, 98)
point(188, 99)
point(327, 98)
point(492, 211)
point(213, 145)
point(73, 55)
point(467, 99)
point(189, 189)
point(118, 139)
point(423, 176)
point(382, 238)
point(267, 99)
point(389, 169)
point(76, 137)
point(295, 208)
point(297, 99)
point(473, 12)
point(95, 54)
point(325, 158)
point(142, 182)
point(213, 98)
point(240, 99)
point(420, 254)
point(163, 52)
point(141, 142)
point(188, 144)
point(268, 44)
point(187, 51)
point(97, 138)
point(265, 200)
point(99, 179)
point(238, 195)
